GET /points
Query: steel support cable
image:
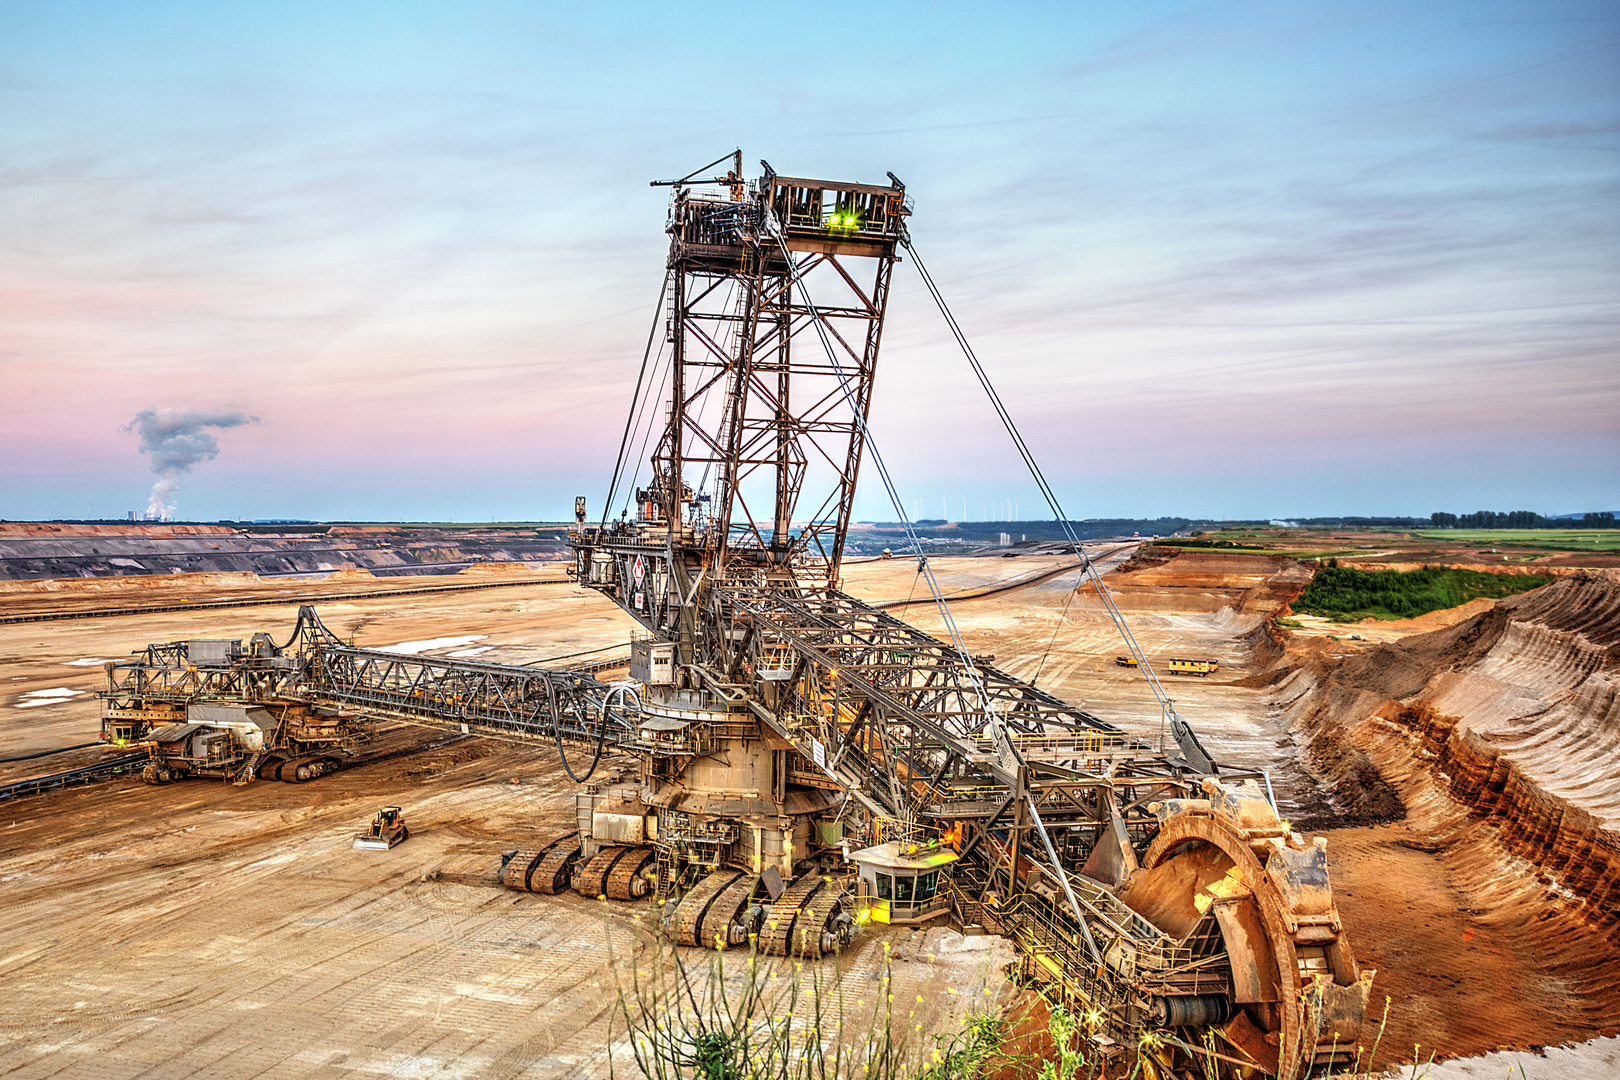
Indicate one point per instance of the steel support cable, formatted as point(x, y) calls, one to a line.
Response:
point(556, 731)
point(1063, 879)
point(635, 398)
point(1061, 619)
point(888, 484)
point(640, 456)
point(642, 427)
point(1024, 452)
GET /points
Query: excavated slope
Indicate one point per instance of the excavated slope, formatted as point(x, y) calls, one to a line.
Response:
point(1498, 739)
point(1206, 581)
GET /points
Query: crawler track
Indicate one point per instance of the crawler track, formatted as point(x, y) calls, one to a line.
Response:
point(299, 770)
point(692, 914)
point(545, 869)
point(728, 908)
point(625, 881)
point(799, 915)
point(613, 873)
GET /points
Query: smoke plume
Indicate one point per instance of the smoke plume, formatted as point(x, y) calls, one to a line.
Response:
point(177, 439)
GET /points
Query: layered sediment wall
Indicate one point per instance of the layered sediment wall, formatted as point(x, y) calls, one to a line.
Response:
point(1576, 854)
point(1533, 682)
point(1498, 740)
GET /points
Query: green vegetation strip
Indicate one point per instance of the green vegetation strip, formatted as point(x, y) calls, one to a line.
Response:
point(1582, 540)
point(1345, 594)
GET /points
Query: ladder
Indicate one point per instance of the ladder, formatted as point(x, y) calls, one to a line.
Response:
point(667, 873)
point(247, 771)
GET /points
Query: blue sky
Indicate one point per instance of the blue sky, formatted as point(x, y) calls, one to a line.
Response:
point(1236, 259)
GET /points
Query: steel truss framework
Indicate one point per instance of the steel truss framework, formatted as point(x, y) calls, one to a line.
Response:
point(1050, 807)
point(754, 408)
point(892, 716)
point(504, 701)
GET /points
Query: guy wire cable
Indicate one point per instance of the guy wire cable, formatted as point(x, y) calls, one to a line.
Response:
point(1166, 705)
point(882, 469)
point(652, 332)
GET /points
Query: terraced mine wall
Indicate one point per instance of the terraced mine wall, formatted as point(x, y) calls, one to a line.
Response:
point(37, 551)
point(1575, 854)
point(1169, 580)
point(1498, 742)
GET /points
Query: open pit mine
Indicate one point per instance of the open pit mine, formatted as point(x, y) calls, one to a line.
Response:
point(710, 727)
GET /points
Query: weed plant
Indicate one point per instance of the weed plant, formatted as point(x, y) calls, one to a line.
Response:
point(773, 1018)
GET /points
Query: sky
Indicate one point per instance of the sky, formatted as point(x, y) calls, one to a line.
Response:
point(1230, 260)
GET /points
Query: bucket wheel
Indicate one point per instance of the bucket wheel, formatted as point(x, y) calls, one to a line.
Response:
point(1224, 876)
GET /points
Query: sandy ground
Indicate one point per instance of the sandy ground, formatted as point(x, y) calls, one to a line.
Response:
point(1067, 643)
point(203, 929)
point(209, 930)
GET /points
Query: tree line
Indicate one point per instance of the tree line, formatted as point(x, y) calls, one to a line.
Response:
point(1520, 519)
point(1347, 594)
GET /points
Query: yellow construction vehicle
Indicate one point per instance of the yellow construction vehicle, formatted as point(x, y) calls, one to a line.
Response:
point(1192, 667)
point(387, 829)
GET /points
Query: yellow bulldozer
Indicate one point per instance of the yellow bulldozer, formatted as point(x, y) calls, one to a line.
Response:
point(387, 829)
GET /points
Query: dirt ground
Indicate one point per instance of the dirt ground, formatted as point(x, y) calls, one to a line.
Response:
point(203, 929)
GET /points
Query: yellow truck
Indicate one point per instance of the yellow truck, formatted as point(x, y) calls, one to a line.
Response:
point(1177, 667)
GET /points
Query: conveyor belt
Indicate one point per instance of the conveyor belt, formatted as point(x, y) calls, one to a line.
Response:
point(104, 770)
point(283, 601)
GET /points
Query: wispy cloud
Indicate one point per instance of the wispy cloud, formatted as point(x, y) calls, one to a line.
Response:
point(1208, 227)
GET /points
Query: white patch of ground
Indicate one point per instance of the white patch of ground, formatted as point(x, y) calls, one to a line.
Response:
point(54, 696)
point(413, 648)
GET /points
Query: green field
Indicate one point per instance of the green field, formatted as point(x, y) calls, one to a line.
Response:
point(1345, 594)
point(1540, 539)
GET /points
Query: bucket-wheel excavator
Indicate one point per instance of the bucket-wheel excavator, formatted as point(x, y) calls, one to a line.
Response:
point(789, 733)
point(808, 763)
